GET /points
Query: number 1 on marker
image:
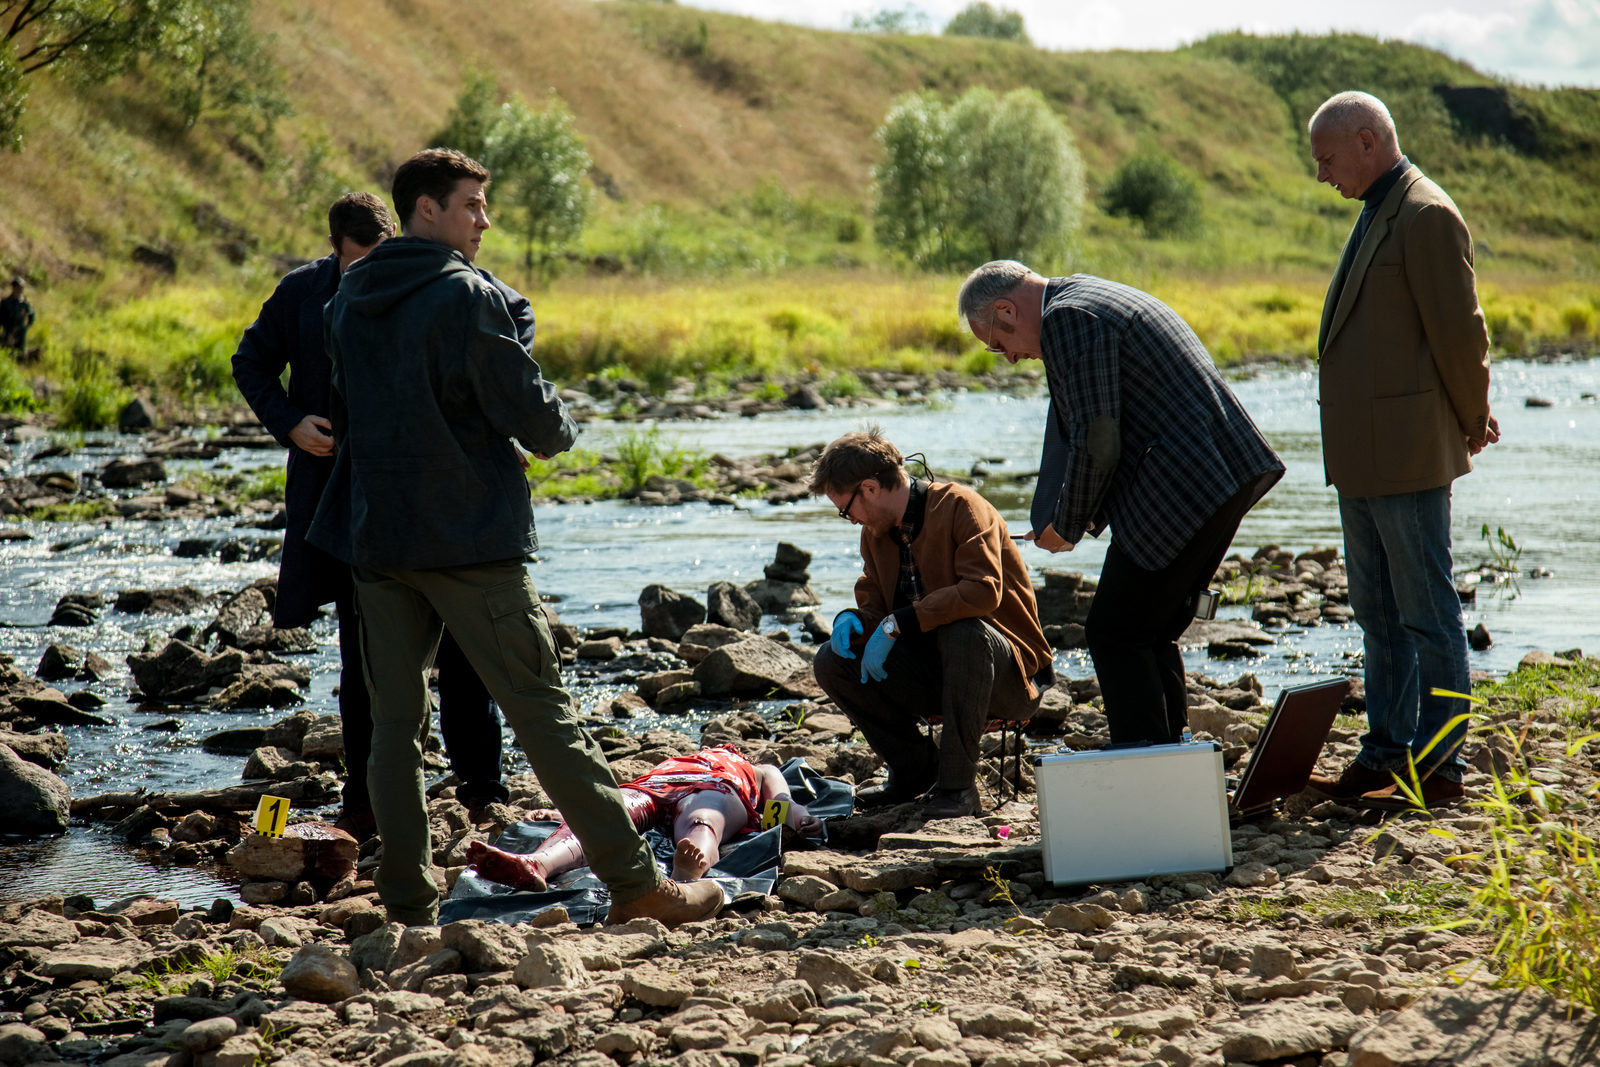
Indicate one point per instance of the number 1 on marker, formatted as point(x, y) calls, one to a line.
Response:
point(272, 815)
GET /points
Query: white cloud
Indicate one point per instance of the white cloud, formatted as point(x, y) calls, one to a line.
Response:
point(1551, 42)
point(1537, 41)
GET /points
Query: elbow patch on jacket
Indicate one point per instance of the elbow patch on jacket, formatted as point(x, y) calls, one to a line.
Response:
point(1105, 443)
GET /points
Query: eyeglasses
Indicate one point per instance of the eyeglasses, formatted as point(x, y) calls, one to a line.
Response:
point(989, 344)
point(844, 512)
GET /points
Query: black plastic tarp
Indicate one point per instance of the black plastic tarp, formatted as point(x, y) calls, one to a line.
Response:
point(749, 864)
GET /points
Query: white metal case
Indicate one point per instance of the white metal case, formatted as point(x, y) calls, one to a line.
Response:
point(1122, 814)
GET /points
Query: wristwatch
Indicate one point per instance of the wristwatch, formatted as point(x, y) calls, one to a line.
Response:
point(890, 628)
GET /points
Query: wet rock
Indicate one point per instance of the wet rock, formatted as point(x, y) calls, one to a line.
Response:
point(178, 672)
point(126, 474)
point(137, 414)
point(47, 708)
point(600, 649)
point(59, 663)
point(1479, 638)
point(321, 974)
point(698, 641)
point(20, 1044)
point(47, 750)
point(240, 741)
point(241, 612)
point(728, 605)
point(753, 666)
point(258, 690)
point(668, 614)
point(179, 600)
point(310, 850)
point(76, 609)
point(777, 597)
point(36, 802)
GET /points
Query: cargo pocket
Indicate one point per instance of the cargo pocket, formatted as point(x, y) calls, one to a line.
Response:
point(1403, 435)
point(526, 647)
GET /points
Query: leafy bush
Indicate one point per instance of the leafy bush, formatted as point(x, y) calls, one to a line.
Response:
point(466, 127)
point(981, 19)
point(90, 399)
point(1154, 189)
point(539, 163)
point(15, 392)
point(988, 177)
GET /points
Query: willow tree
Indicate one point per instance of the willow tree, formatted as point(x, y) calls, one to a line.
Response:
point(987, 177)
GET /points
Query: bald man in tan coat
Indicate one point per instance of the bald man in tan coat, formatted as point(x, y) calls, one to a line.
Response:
point(1403, 368)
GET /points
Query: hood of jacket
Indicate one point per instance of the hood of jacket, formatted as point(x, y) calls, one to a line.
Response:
point(394, 272)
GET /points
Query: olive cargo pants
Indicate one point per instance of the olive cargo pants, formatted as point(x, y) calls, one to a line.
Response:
point(495, 615)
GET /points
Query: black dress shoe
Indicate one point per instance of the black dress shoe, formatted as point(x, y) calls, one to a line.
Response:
point(897, 791)
point(952, 803)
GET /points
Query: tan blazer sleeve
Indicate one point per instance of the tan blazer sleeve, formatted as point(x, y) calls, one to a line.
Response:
point(1439, 271)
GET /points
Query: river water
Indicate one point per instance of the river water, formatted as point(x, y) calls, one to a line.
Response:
point(1540, 483)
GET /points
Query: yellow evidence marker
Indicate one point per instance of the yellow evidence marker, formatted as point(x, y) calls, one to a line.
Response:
point(272, 815)
point(776, 813)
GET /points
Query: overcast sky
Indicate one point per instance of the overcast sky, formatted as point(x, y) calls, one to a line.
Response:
point(1540, 42)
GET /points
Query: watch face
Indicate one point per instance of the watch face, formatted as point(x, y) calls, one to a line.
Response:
point(889, 626)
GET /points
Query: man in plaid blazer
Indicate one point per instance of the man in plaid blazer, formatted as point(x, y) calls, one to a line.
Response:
point(1143, 436)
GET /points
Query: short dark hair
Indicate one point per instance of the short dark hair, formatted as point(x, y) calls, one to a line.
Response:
point(361, 217)
point(852, 459)
point(432, 173)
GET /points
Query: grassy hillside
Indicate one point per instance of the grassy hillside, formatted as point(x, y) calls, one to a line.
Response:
point(729, 146)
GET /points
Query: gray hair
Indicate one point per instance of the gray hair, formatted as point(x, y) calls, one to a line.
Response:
point(1350, 111)
point(990, 282)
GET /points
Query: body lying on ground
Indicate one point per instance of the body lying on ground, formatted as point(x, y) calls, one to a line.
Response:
point(707, 797)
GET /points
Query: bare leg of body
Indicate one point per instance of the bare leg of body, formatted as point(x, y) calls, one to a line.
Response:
point(705, 819)
point(559, 853)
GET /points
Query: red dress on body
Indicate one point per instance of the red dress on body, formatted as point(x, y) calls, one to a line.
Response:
point(721, 768)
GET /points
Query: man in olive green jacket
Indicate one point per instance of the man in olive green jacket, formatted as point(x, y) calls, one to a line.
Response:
point(1404, 390)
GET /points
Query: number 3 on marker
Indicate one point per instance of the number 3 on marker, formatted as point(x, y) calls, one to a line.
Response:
point(272, 815)
point(776, 813)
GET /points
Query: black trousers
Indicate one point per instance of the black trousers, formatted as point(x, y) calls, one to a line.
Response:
point(1136, 620)
point(468, 721)
point(964, 671)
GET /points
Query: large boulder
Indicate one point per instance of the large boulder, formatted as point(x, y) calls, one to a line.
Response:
point(668, 614)
point(36, 802)
point(309, 850)
point(47, 750)
point(242, 611)
point(728, 605)
point(125, 474)
point(752, 667)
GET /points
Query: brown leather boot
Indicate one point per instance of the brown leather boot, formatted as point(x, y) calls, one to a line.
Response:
point(671, 904)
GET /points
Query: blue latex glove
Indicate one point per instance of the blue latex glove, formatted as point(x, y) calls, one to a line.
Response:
point(877, 650)
point(846, 628)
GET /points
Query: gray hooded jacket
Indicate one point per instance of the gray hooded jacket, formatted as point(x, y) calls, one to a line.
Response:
point(430, 385)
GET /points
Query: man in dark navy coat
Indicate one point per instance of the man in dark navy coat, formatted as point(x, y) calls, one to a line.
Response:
point(288, 332)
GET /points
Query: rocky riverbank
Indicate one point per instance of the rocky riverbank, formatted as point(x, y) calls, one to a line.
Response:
point(923, 945)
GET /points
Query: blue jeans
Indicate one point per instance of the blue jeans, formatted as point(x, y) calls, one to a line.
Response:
point(1397, 557)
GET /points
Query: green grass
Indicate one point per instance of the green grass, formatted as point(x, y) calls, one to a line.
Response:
point(1536, 882)
point(1407, 903)
point(1575, 690)
point(264, 483)
point(73, 511)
